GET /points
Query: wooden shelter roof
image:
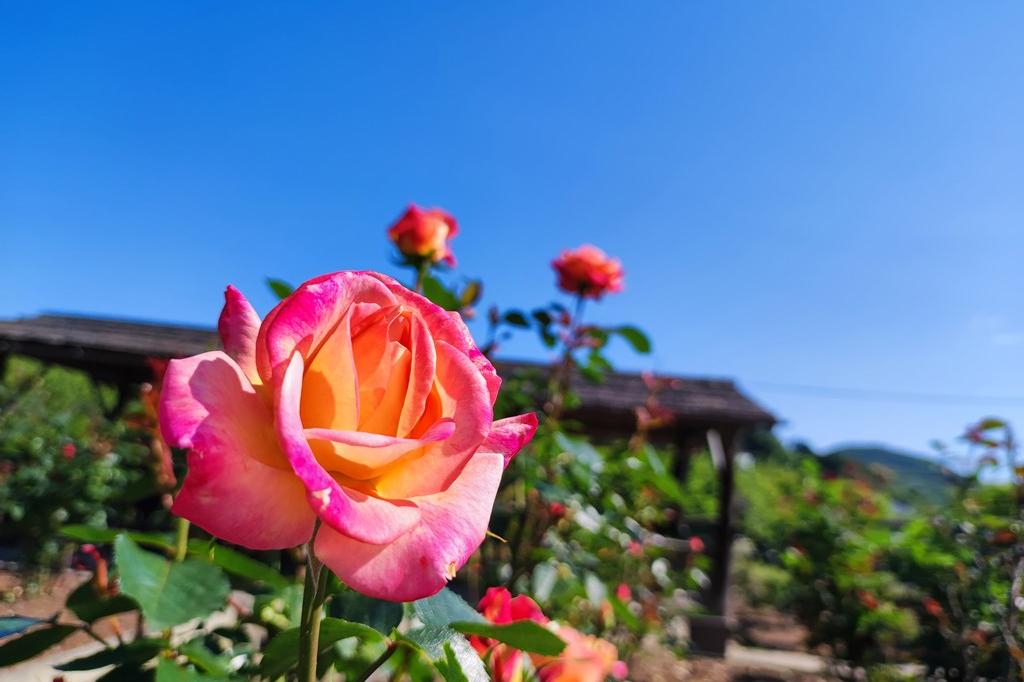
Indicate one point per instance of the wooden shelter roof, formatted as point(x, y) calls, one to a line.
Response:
point(119, 351)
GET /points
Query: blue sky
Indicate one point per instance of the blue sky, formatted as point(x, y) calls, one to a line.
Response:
point(824, 194)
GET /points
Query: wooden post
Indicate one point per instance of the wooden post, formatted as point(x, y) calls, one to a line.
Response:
point(722, 456)
point(710, 633)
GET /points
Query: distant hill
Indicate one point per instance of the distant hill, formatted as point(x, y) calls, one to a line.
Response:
point(908, 478)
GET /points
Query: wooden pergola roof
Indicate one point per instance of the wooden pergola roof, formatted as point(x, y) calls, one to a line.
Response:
point(118, 351)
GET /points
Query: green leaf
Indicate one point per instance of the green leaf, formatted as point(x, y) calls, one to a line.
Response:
point(624, 615)
point(524, 635)
point(383, 616)
point(33, 643)
point(105, 536)
point(11, 625)
point(471, 293)
point(204, 659)
point(636, 338)
point(135, 654)
point(169, 593)
point(462, 663)
point(168, 671)
point(445, 608)
point(439, 293)
point(281, 654)
point(236, 563)
point(89, 606)
point(542, 316)
point(280, 288)
point(451, 668)
point(516, 319)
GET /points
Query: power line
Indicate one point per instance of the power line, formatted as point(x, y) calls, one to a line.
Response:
point(884, 395)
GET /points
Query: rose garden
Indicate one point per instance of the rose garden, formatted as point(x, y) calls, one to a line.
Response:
point(348, 489)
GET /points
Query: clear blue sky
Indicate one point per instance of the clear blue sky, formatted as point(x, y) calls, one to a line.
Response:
point(810, 193)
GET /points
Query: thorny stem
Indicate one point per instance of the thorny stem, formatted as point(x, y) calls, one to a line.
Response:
point(312, 612)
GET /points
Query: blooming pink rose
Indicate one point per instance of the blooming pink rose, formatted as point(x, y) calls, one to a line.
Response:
point(500, 607)
point(587, 271)
point(355, 402)
point(424, 234)
point(584, 659)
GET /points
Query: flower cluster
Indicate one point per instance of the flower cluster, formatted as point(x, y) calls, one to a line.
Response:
point(584, 659)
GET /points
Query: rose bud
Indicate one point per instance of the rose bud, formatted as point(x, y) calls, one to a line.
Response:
point(423, 234)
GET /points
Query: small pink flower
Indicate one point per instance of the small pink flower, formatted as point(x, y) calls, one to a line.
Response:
point(696, 544)
point(623, 593)
point(424, 234)
point(68, 450)
point(556, 509)
point(635, 548)
point(587, 271)
point(356, 402)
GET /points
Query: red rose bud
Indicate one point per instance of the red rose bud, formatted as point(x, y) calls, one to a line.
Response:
point(587, 271)
point(556, 509)
point(424, 234)
point(68, 450)
point(696, 544)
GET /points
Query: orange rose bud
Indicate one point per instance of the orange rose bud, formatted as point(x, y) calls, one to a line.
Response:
point(587, 271)
point(423, 234)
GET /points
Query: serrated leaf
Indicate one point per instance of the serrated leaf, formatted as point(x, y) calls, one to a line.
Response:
point(435, 641)
point(281, 654)
point(236, 563)
point(444, 608)
point(32, 644)
point(11, 625)
point(169, 593)
point(438, 293)
point(525, 635)
point(451, 668)
point(89, 606)
point(134, 654)
point(636, 338)
point(280, 288)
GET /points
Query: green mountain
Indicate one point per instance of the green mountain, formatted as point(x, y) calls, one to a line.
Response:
point(908, 478)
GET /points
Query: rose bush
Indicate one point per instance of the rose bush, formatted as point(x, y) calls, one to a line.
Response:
point(358, 403)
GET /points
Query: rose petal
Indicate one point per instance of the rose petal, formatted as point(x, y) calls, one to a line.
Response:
point(308, 316)
point(419, 563)
point(238, 327)
point(448, 327)
point(464, 399)
point(365, 453)
point(509, 435)
point(359, 515)
point(239, 487)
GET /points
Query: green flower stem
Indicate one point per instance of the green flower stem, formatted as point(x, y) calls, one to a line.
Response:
point(181, 540)
point(422, 270)
point(381, 660)
point(313, 594)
